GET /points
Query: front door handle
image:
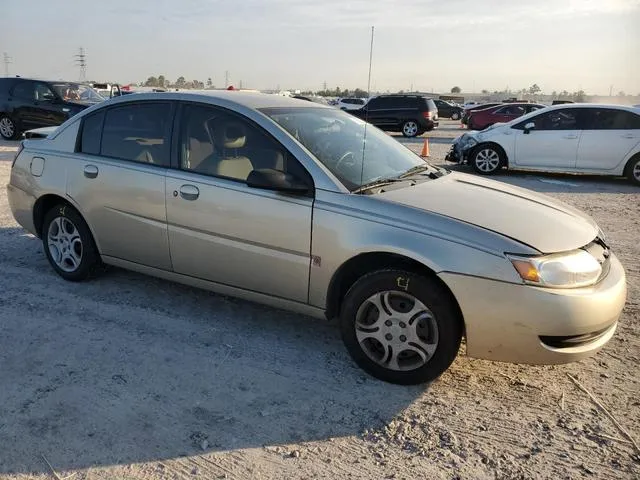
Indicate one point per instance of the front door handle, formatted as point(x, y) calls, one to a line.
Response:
point(628, 135)
point(570, 137)
point(90, 171)
point(189, 192)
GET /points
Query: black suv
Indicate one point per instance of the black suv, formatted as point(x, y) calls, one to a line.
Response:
point(410, 114)
point(27, 103)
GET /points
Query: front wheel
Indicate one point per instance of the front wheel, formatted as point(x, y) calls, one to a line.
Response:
point(68, 244)
point(486, 159)
point(400, 327)
point(410, 128)
point(455, 116)
point(8, 129)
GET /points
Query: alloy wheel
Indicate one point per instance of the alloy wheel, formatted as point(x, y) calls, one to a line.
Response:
point(636, 172)
point(396, 330)
point(7, 128)
point(487, 160)
point(410, 129)
point(65, 244)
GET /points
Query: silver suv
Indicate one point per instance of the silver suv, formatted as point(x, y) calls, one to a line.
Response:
point(310, 209)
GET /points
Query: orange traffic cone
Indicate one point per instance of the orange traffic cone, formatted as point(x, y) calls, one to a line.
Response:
point(425, 148)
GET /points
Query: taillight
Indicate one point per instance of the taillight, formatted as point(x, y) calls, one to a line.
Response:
point(428, 115)
point(20, 148)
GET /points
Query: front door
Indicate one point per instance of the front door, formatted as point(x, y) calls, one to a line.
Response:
point(552, 143)
point(119, 181)
point(609, 135)
point(224, 231)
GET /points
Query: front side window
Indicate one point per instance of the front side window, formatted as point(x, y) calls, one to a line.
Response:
point(70, 92)
point(138, 132)
point(566, 119)
point(217, 143)
point(357, 153)
point(43, 93)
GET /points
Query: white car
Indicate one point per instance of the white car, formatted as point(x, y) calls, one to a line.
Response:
point(351, 103)
point(584, 138)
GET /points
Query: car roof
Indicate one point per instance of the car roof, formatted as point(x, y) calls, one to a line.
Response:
point(246, 99)
point(565, 106)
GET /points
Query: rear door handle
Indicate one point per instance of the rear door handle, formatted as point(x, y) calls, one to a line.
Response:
point(628, 135)
point(189, 192)
point(90, 171)
point(570, 137)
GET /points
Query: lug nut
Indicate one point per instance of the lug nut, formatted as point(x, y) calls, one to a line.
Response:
point(388, 323)
point(403, 325)
point(388, 336)
point(403, 338)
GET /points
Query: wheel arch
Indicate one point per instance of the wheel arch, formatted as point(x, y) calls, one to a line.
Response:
point(632, 159)
point(354, 268)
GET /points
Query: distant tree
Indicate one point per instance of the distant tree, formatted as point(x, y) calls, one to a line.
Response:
point(161, 81)
point(578, 96)
point(181, 82)
point(209, 82)
point(359, 93)
point(345, 92)
point(554, 94)
point(564, 93)
point(151, 82)
point(338, 93)
point(484, 91)
point(401, 91)
point(533, 89)
point(622, 94)
point(456, 89)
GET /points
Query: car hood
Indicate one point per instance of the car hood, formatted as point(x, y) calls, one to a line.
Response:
point(536, 220)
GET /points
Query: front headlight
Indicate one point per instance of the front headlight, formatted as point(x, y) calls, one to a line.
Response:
point(559, 270)
point(468, 142)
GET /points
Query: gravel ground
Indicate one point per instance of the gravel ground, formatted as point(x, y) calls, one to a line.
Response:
point(128, 376)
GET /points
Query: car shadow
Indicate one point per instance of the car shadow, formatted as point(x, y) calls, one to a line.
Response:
point(548, 182)
point(127, 368)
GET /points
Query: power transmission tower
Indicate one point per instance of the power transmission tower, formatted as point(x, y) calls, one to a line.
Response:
point(81, 61)
point(324, 86)
point(240, 84)
point(7, 60)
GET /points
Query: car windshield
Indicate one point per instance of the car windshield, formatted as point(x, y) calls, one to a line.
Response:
point(77, 91)
point(356, 152)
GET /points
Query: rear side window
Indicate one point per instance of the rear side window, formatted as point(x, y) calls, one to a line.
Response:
point(138, 132)
point(92, 133)
point(25, 91)
point(431, 105)
point(611, 119)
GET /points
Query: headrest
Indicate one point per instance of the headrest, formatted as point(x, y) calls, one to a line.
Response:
point(230, 134)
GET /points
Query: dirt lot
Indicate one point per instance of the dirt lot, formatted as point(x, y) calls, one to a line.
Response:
point(132, 377)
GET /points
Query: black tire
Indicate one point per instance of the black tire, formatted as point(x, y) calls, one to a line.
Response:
point(632, 170)
point(487, 159)
point(410, 128)
point(89, 258)
point(6, 123)
point(455, 116)
point(427, 291)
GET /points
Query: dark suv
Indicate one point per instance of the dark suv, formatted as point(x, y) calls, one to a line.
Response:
point(410, 114)
point(27, 103)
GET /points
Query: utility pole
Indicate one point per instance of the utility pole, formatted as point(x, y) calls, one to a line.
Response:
point(240, 84)
point(226, 78)
point(324, 86)
point(7, 60)
point(611, 90)
point(81, 61)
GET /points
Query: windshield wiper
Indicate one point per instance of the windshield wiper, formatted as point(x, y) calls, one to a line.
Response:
point(433, 172)
point(381, 182)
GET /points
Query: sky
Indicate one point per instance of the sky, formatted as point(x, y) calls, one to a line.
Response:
point(425, 44)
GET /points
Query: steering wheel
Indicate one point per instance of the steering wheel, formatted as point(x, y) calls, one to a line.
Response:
point(342, 161)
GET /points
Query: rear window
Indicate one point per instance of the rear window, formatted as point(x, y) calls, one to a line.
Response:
point(431, 105)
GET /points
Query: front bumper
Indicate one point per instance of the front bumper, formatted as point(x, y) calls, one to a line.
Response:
point(524, 324)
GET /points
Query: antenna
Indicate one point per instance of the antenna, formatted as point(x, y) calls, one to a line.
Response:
point(7, 60)
point(81, 61)
point(366, 115)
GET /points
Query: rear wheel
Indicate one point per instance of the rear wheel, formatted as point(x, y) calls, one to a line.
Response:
point(633, 170)
point(487, 159)
point(400, 327)
point(68, 244)
point(8, 129)
point(455, 116)
point(410, 128)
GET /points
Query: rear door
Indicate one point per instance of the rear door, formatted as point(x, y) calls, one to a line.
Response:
point(118, 179)
point(553, 143)
point(22, 98)
point(383, 112)
point(608, 137)
point(507, 113)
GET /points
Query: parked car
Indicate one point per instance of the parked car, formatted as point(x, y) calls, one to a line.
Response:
point(27, 103)
point(469, 110)
point(481, 119)
point(285, 203)
point(586, 138)
point(448, 110)
point(311, 98)
point(108, 90)
point(351, 103)
point(410, 114)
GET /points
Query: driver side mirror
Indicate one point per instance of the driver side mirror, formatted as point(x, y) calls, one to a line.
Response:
point(270, 179)
point(528, 127)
